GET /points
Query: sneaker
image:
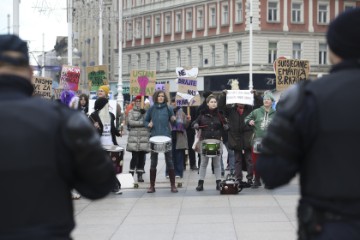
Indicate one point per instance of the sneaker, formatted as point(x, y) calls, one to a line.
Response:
point(194, 168)
point(167, 176)
point(117, 192)
point(177, 176)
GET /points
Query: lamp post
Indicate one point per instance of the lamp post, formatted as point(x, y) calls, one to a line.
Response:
point(120, 97)
point(250, 46)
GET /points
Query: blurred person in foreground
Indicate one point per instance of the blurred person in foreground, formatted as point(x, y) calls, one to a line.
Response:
point(47, 149)
point(316, 133)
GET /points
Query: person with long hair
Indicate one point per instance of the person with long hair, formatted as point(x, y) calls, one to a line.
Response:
point(212, 123)
point(158, 119)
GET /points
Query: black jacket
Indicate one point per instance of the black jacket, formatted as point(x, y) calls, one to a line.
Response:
point(318, 137)
point(212, 124)
point(46, 150)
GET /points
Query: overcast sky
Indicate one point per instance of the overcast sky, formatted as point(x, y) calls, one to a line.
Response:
point(36, 17)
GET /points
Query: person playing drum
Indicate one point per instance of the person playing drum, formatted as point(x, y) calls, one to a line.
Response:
point(103, 121)
point(212, 123)
point(158, 119)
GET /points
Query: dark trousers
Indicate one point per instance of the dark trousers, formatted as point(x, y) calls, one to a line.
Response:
point(137, 161)
point(239, 158)
point(344, 230)
point(168, 160)
point(191, 152)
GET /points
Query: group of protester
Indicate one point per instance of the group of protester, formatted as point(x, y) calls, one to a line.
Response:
point(51, 149)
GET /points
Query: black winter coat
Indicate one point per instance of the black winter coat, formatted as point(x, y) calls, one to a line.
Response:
point(46, 150)
point(239, 134)
point(211, 123)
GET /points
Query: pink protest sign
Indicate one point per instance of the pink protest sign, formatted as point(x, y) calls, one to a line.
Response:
point(70, 77)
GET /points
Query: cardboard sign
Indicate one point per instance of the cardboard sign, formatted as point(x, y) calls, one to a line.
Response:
point(42, 86)
point(187, 94)
point(142, 82)
point(70, 77)
point(190, 72)
point(97, 76)
point(291, 71)
point(240, 96)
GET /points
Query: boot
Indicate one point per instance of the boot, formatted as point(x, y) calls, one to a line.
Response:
point(139, 177)
point(172, 180)
point(152, 181)
point(132, 172)
point(200, 186)
point(218, 184)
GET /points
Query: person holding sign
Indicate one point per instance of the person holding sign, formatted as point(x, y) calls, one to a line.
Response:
point(315, 134)
point(47, 150)
point(158, 119)
point(212, 124)
point(259, 119)
point(138, 140)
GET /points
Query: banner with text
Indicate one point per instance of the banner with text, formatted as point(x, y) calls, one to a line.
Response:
point(290, 71)
point(70, 77)
point(163, 86)
point(97, 76)
point(142, 82)
point(42, 86)
point(239, 96)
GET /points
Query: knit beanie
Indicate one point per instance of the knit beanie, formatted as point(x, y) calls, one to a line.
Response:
point(106, 89)
point(100, 103)
point(66, 96)
point(268, 95)
point(343, 35)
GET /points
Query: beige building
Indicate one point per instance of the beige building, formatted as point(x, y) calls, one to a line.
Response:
point(210, 34)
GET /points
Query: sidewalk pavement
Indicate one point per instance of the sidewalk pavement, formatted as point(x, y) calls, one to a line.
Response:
point(252, 214)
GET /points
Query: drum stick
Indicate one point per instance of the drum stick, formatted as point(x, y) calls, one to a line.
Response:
point(188, 110)
point(142, 102)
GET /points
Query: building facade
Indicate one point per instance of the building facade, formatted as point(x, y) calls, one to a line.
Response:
point(210, 34)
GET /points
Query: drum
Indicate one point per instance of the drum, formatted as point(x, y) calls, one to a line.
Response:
point(160, 144)
point(211, 147)
point(116, 155)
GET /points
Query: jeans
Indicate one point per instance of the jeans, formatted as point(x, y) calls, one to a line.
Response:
point(168, 160)
point(137, 161)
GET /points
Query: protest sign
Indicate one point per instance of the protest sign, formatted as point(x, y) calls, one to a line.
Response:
point(190, 72)
point(187, 94)
point(142, 82)
point(42, 86)
point(290, 71)
point(163, 86)
point(239, 96)
point(70, 77)
point(97, 76)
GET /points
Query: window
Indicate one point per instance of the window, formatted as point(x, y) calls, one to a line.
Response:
point(178, 60)
point(178, 22)
point(239, 12)
point(167, 24)
point(212, 55)
point(129, 63)
point(147, 61)
point(157, 61)
point(157, 25)
point(225, 54)
point(272, 52)
point(147, 27)
point(273, 11)
point(200, 19)
point(212, 18)
point(129, 3)
point(129, 35)
point(225, 15)
point(138, 2)
point(323, 13)
point(201, 56)
point(138, 29)
point(296, 51)
point(138, 56)
point(349, 5)
point(167, 60)
point(322, 53)
point(296, 12)
point(239, 52)
point(189, 57)
point(189, 21)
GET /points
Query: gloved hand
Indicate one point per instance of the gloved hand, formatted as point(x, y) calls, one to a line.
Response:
point(142, 111)
point(196, 126)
